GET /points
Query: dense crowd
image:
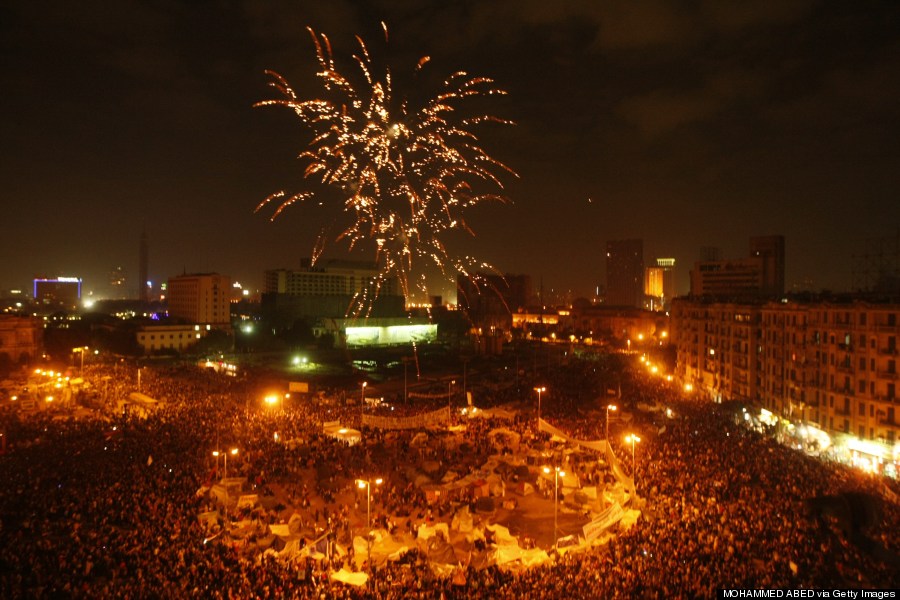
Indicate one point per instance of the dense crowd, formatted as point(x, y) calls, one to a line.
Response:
point(107, 506)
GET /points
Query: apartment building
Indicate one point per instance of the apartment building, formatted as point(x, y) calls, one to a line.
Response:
point(830, 363)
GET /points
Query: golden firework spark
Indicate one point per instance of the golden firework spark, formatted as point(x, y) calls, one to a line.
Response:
point(405, 174)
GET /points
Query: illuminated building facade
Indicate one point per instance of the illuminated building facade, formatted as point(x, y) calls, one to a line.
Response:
point(625, 273)
point(62, 292)
point(831, 364)
point(383, 332)
point(200, 298)
point(154, 339)
point(659, 284)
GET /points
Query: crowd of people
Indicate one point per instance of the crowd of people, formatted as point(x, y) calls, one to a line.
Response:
point(108, 505)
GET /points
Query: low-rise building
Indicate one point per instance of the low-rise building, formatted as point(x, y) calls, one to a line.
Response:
point(200, 298)
point(21, 338)
point(155, 339)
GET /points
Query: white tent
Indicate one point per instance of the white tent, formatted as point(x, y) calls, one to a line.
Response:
point(357, 579)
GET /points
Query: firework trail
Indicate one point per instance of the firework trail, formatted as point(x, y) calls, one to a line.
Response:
point(405, 174)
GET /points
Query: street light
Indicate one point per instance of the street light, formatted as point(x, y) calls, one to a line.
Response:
point(609, 407)
point(557, 473)
point(216, 453)
point(633, 439)
point(363, 483)
point(273, 399)
point(539, 390)
point(81, 350)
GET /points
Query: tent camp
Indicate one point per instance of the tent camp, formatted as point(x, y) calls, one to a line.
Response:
point(383, 547)
point(523, 488)
point(438, 550)
point(502, 437)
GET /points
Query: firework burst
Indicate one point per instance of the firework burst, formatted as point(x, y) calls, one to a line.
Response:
point(405, 174)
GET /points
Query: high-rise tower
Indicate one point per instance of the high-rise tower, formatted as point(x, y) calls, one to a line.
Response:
point(143, 258)
point(659, 284)
point(625, 273)
point(770, 250)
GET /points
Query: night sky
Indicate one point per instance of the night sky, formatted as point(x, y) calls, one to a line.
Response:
point(687, 124)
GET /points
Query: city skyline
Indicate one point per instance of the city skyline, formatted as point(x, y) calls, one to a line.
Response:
point(681, 127)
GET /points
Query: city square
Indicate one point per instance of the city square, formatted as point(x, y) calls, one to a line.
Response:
point(210, 495)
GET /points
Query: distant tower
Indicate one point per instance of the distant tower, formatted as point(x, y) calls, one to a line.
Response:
point(143, 293)
point(117, 284)
point(877, 268)
point(659, 284)
point(770, 249)
point(625, 273)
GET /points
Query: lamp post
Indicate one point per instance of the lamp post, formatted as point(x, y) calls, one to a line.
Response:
point(216, 453)
point(633, 439)
point(609, 407)
point(465, 370)
point(557, 473)
point(363, 483)
point(81, 350)
point(539, 390)
point(362, 402)
point(449, 396)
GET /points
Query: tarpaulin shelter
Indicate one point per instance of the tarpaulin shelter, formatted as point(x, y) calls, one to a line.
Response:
point(523, 488)
point(438, 550)
point(354, 578)
point(382, 546)
point(462, 521)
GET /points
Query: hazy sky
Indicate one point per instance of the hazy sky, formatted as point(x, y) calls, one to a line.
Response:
point(686, 124)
